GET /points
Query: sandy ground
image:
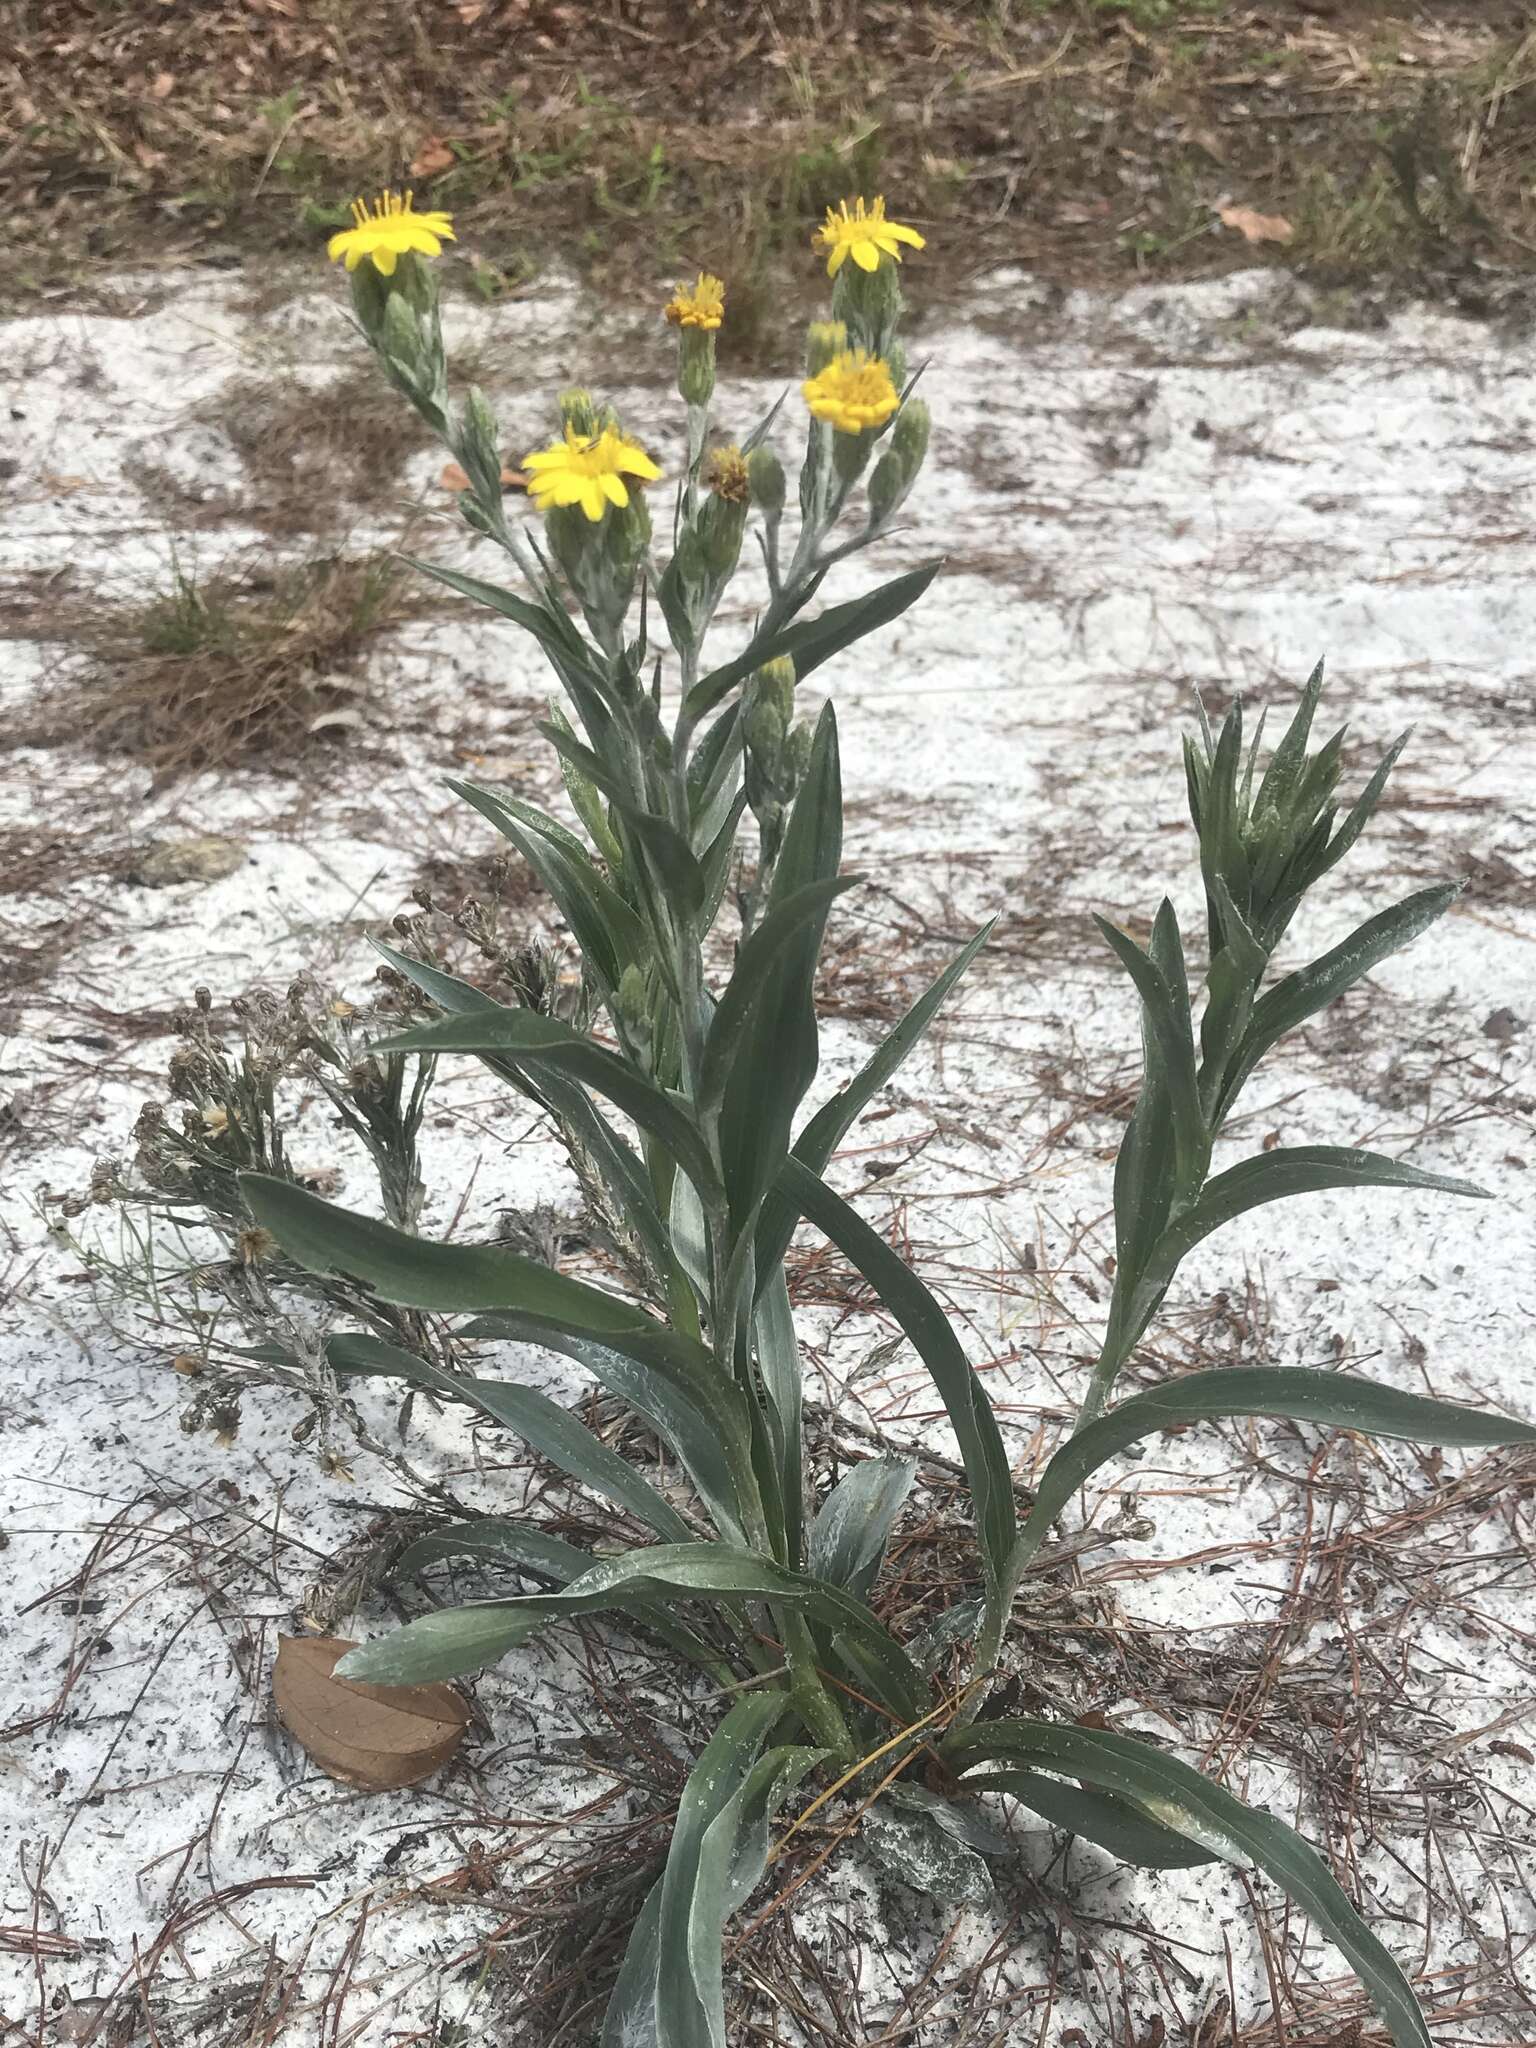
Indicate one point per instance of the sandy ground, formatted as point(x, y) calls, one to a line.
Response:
point(1193, 488)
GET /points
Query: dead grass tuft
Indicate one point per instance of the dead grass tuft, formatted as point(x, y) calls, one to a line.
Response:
point(238, 667)
point(313, 454)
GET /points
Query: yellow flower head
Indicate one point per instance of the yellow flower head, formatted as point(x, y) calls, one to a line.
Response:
point(703, 306)
point(863, 233)
point(854, 392)
point(388, 230)
point(587, 470)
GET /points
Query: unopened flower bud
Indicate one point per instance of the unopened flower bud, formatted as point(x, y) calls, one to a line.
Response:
point(797, 752)
point(765, 474)
point(765, 732)
point(476, 446)
point(886, 486)
point(774, 683)
point(696, 365)
point(825, 341)
point(850, 452)
point(722, 521)
point(634, 1004)
point(578, 411)
point(909, 435)
point(691, 565)
point(400, 332)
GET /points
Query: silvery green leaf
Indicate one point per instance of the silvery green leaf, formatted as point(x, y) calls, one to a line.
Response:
point(551, 1430)
point(853, 1526)
point(325, 1238)
point(913, 1848)
point(832, 1122)
point(1180, 1798)
point(928, 1330)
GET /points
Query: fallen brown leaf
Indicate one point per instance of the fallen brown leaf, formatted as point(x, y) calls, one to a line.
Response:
point(433, 156)
point(377, 1737)
point(1256, 227)
point(454, 479)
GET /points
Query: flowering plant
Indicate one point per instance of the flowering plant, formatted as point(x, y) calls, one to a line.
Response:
point(680, 1094)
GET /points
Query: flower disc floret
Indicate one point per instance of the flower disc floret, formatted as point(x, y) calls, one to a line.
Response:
point(862, 232)
point(854, 392)
point(701, 306)
point(587, 470)
point(387, 230)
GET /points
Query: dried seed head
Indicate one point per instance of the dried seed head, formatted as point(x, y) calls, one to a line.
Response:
point(725, 473)
point(255, 1244)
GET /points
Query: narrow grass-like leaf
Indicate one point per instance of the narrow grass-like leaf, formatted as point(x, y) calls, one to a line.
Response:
point(664, 845)
point(1333, 1399)
point(718, 1852)
point(775, 1058)
point(1360, 813)
point(676, 1386)
point(1167, 1020)
point(1171, 1792)
point(829, 1126)
point(778, 1365)
point(417, 1273)
point(457, 1640)
point(1289, 1170)
point(758, 963)
point(538, 1041)
point(810, 642)
point(696, 1885)
point(713, 775)
point(622, 1171)
point(552, 1430)
point(550, 627)
point(1302, 994)
point(586, 797)
point(927, 1328)
point(1103, 1818)
point(715, 860)
point(493, 1540)
point(603, 925)
point(1289, 758)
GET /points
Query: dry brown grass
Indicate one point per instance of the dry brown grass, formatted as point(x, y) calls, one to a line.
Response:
point(312, 453)
point(254, 667)
point(1086, 138)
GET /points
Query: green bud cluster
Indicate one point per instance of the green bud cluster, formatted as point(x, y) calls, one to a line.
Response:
point(777, 754)
point(1262, 848)
point(898, 468)
point(400, 320)
point(869, 304)
point(601, 558)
